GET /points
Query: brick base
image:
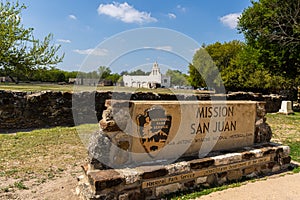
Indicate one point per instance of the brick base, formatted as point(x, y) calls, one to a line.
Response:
point(152, 182)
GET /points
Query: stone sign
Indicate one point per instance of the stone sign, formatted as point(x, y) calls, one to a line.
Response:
point(147, 149)
point(171, 128)
point(148, 132)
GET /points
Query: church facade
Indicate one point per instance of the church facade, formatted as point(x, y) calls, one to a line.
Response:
point(154, 80)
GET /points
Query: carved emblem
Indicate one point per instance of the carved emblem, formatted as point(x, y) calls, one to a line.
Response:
point(154, 127)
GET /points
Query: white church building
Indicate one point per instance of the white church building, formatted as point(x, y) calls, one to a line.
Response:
point(154, 80)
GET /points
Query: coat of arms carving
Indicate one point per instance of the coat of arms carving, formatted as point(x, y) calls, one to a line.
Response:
point(154, 127)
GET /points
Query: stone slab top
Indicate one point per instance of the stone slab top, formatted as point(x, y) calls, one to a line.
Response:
point(113, 101)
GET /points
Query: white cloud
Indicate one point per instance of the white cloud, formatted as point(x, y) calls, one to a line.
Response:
point(164, 48)
point(182, 9)
point(171, 15)
point(64, 41)
point(125, 13)
point(95, 52)
point(72, 17)
point(230, 20)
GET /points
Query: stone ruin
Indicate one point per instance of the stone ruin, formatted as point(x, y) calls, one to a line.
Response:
point(149, 149)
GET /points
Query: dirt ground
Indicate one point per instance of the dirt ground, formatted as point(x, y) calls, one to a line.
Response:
point(60, 188)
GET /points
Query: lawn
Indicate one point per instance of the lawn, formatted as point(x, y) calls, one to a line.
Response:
point(286, 129)
point(40, 153)
point(34, 87)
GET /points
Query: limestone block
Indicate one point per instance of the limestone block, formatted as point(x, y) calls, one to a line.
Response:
point(190, 184)
point(249, 170)
point(212, 180)
point(124, 197)
point(148, 172)
point(257, 152)
point(276, 168)
point(162, 190)
point(131, 175)
point(285, 160)
point(286, 108)
point(234, 175)
point(178, 168)
point(201, 180)
point(252, 175)
point(104, 179)
point(202, 163)
point(263, 132)
point(265, 169)
point(286, 166)
point(248, 155)
point(222, 180)
point(227, 158)
point(260, 110)
point(286, 150)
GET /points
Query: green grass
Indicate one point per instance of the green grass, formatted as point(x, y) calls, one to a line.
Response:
point(33, 87)
point(296, 170)
point(295, 150)
point(286, 129)
point(27, 87)
point(44, 153)
point(20, 185)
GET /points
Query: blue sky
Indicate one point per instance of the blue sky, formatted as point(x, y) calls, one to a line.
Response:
point(80, 26)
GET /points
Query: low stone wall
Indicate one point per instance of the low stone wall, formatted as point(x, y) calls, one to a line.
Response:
point(153, 182)
point(27, 110)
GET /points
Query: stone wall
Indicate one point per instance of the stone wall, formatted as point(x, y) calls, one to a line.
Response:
point(27, 110)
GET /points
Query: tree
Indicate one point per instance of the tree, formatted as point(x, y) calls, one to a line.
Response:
point(273, 28)
point(177, 77)
point(211, 62)
point(246, 73)
point(104, 72)
point(124, 73)
point(114, 77)
point(21, 53)
point(195, 79)
point(138, 72)
point(222, 54)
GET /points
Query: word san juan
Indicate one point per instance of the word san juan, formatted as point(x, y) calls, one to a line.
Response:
point(214, 112)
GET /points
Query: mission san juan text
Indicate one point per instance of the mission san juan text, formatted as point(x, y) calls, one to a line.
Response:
point(219, 114)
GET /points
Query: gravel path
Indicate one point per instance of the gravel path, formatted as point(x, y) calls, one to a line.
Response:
point(275, 187)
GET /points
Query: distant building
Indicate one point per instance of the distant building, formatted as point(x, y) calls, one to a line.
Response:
point(84, 81)
point(90, 82)
point(106, 83)
point(153, 80)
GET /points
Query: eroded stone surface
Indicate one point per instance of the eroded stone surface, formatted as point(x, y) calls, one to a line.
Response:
point(153, 132)
point(151, 182)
